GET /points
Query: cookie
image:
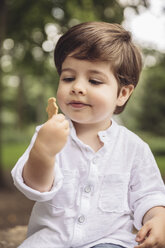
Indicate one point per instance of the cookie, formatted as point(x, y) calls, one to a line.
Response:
point(52, 108)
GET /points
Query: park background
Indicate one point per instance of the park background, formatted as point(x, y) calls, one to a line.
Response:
point(29, 31)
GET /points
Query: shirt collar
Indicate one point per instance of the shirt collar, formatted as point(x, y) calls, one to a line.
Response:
point(105, 135)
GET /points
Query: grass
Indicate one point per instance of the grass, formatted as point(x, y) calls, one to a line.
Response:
point(15, 142)
point(11, 153)
point(161, 164)
point(156, 143)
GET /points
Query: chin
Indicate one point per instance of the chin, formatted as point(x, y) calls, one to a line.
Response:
point(80, 121)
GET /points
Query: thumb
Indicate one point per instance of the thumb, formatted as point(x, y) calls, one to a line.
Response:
point(143, 233)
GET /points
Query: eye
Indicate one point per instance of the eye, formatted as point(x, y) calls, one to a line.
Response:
point(95, 82)
point(68, 79)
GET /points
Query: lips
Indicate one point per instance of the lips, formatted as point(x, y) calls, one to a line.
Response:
point(78, 104)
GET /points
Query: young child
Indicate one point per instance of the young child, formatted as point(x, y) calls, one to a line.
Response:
point(93, 180)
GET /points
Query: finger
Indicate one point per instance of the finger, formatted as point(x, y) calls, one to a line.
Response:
point(59, 117)
point(143, 233)
point(67, 131)
point(149, 242)
point(66, 124)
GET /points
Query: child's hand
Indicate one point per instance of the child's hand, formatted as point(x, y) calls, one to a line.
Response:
point(53, 135)
point(152, 234)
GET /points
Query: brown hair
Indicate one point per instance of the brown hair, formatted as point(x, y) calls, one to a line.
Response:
point(100, 41)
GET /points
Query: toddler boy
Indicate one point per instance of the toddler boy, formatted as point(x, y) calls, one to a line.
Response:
point(92, 179)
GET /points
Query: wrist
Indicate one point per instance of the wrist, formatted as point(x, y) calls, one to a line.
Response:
point(44, 150)
point(40, 155)
point(155, 211)
point(38, 172)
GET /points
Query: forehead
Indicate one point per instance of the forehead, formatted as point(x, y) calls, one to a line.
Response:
point(71, 62)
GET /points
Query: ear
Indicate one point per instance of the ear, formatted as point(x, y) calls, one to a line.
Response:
point(124, 94)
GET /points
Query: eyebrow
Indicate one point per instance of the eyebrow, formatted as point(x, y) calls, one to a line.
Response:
point(67, 69)
point(98, 73)
point(89, 71)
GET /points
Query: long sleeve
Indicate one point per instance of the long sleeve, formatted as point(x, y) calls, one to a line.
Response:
point(147, 189)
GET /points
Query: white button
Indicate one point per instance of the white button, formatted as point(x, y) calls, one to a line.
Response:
point(87, 189)
point(81, 219)
point(94, 160)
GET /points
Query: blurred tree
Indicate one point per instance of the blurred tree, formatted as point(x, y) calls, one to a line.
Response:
point(152, 115)
point(2, 36)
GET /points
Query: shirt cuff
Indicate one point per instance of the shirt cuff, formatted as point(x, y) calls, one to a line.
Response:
point(146, 205)
point(33, 194)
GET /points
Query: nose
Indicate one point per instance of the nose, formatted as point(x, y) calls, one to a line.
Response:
point(78, 88)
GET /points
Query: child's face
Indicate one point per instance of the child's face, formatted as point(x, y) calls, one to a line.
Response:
point(87, 91)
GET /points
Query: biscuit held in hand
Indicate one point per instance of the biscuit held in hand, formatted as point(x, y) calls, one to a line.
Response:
point(52, 108)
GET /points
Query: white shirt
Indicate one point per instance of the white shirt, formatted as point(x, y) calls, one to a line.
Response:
point(97, 197)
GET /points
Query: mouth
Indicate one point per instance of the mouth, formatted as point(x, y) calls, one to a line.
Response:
point(78, 104)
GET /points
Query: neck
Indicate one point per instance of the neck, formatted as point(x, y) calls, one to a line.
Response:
point(88, 133)
point(92, 127)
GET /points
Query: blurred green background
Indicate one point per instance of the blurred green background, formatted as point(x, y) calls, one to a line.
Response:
point(29, 31)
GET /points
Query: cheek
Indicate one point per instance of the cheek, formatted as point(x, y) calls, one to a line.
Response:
point(60, 96)
point(104, 103)
point(101, 100)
